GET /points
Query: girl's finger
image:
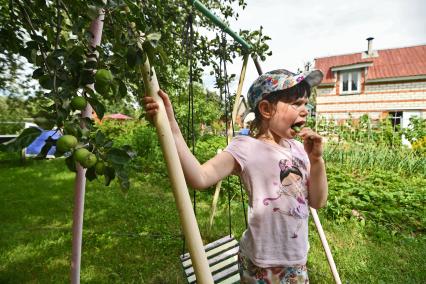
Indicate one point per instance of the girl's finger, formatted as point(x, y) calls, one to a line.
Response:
point(165, 98)
point(305, 133)
point(147, 99)
point(151, 106)
point(163, 95)
point(311, 136)
point(152, 112)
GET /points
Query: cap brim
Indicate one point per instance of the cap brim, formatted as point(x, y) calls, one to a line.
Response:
point(314, 78)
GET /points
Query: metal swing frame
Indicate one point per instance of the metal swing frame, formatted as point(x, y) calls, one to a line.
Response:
point(222, 254)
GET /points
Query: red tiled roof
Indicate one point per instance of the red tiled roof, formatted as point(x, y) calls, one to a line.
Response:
point(396, 62)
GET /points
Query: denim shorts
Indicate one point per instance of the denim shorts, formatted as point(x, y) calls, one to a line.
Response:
point(250, 273)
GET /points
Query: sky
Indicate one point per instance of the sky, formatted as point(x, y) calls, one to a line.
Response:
point(307, 29)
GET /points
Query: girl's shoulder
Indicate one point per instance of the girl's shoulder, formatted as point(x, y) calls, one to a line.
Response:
point(249, 140)
point(243, 139)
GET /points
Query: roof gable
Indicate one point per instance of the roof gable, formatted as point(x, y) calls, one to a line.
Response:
point(396, 62)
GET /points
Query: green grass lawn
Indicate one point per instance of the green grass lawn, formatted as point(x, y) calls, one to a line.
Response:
point(135, 238)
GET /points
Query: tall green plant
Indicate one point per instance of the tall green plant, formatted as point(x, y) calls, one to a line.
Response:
point(416, 129)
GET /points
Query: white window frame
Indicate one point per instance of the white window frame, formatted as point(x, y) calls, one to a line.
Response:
point(358, 83)
point(396, 116)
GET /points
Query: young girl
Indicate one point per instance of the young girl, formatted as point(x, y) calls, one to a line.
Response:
point(281, 175)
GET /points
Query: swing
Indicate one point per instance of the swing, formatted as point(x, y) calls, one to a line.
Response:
point(222, 258)
point(222, 254)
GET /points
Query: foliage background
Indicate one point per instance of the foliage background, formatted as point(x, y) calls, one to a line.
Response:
point(375, 216)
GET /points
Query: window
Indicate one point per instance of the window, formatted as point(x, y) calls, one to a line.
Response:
point(396, 119)
point(349, 82)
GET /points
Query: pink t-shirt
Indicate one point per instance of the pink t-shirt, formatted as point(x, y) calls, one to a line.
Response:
point(276, 180)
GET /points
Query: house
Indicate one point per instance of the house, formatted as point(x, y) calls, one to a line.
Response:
point(380, 83)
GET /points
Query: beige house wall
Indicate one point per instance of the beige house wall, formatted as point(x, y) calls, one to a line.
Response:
point(376, 100)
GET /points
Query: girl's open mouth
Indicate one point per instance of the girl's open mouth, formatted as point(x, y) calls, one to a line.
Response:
point(298, 126)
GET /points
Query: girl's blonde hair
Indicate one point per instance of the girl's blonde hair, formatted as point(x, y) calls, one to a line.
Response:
point(288, 95)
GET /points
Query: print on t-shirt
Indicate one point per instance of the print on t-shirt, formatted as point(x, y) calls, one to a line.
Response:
point(292, 194)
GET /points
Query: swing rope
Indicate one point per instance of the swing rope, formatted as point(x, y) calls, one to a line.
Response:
point(222, 253)
point(224, 81)
point(190, 122)
point(229, 110)
point(187, 43)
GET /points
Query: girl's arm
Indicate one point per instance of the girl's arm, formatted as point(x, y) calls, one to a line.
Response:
point(318, 185)
point(197, 176)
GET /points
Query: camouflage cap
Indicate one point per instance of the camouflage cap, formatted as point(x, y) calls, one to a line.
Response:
point(278, 80)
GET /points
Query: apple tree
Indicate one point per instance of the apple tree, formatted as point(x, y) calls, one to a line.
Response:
point(54, 38)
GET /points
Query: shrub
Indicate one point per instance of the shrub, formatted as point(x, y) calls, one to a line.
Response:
point(207, 146)
point(379, 197)
point(419, 146)
point(372, 157)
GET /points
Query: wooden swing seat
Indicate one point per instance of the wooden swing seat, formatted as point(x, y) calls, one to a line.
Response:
point(222, 256)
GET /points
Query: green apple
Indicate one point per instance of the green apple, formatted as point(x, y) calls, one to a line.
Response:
point(66, 143)
point(78, 103)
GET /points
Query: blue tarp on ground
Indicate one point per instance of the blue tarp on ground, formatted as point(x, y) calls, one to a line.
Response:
point(35, 147)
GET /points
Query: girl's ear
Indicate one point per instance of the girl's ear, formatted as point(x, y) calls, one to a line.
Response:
point(265, 109)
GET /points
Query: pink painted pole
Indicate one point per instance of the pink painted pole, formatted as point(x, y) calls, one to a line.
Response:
point(80, 180)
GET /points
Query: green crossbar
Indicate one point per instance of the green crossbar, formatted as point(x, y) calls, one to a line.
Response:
point(206, 12)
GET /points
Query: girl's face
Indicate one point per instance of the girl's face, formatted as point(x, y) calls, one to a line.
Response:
point(287, 115)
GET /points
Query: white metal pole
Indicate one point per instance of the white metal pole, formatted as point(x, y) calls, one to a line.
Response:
point(80, 180)
point(177, 179)
point(327, 250)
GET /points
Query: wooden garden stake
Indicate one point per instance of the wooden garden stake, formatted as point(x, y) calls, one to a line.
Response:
point(180, 190)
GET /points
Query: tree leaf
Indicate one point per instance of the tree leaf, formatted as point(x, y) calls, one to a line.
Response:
point(38, 73)
point(163, 55)
point(97, 106)
point(49, 143)
point(86, 77)
point(153, 38)
point(91, 174)
point(122, 89)
point(46, 82)
point(91, 64)
point(118, 156)
point(100, 138)
point(109, 175)
point(123, 179)
point(71, 164)
point(53, 62)
point(24, 139)
point(149, 51)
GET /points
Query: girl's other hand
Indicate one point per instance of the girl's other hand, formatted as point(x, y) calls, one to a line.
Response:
point(312, 142)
